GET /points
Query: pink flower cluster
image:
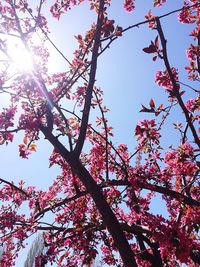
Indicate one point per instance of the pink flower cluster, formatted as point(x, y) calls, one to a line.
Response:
point(129, 5)
point(163, 79)
point(185, 16)
point(146, 131)
point(7, 117)
point(193, 52)
point(190, 104)
point(62, 6)
point(190, 15)
point(180, 161)
point(158, 3)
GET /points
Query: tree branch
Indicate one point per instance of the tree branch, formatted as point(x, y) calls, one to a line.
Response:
point(175, 90)
point(14, 187)
point(159, 189)
point(94, 190)
point(88, 97)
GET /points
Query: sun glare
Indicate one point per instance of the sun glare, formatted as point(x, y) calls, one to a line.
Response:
point(21, 59)
point(18, 59)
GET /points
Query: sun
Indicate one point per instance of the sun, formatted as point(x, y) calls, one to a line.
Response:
point(20, 59)
point(18, 56)
point(14, 57)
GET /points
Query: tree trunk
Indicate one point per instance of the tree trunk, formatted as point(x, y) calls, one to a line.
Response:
point(93, 189)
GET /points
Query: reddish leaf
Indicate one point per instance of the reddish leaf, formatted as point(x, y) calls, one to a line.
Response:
point(151, 49)
point(154, 58)
point(187, 68)
point(156, 42)
point(160, 107)
point(151, 103)
point(144, 109)
point(182, 93)
point(25, 140)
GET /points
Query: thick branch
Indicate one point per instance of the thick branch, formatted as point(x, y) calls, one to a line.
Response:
point(94, 190)
point(88, 97)
point(175, 90)
point(165, 191)
point(156, 188)
point(159, 189)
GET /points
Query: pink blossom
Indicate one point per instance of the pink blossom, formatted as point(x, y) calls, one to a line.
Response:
point(163, 79)
point(190, 104)
point(129, 5)
point(185, 15)
point(180, 160)
point(192, 52)
point(158, 3)
point(146, 130)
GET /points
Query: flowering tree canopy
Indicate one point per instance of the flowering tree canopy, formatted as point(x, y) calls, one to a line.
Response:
point(100, 202)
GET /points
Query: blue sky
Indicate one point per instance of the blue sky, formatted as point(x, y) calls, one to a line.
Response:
point(125, 73)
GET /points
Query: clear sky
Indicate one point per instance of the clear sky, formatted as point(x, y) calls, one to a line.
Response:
point(125, 73)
